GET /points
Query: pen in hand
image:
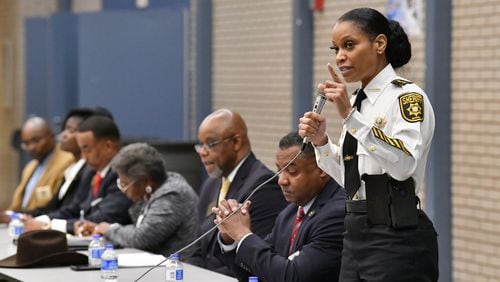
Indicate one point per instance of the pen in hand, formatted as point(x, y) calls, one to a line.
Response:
point(82, 218)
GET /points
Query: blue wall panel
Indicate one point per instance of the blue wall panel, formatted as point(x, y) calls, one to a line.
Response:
point(64, 64)
point(37, 67)
point(152, 4)
point(51, 66)
point(133, 63)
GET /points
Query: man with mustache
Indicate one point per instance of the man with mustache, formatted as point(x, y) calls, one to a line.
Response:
point(234, 172)
point(306, 241)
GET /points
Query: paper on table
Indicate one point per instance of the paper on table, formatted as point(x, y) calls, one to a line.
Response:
point(139, 259)
point(78, 241)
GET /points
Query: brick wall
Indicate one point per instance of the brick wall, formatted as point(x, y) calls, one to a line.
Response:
point(475, 140)
point(252, 61)
point(79, 6)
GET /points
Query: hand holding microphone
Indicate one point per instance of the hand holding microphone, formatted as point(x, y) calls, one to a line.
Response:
point(317, 108)
point(312, 125)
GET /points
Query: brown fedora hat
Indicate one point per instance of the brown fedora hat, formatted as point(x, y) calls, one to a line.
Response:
point(42, 248)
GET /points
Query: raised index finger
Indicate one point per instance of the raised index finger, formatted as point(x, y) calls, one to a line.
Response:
point(336, 74)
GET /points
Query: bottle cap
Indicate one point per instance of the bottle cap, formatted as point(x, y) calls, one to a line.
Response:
point(96, 236)
point(174, 256)
point(109, 246)
point(253, 279)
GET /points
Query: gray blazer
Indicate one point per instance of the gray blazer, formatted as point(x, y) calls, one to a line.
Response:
point(169, 220)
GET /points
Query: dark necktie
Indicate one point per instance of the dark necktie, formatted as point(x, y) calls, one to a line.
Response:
point(351, 173)
point(296, 226)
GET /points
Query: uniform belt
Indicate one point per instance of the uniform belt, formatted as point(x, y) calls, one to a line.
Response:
point(358, 206)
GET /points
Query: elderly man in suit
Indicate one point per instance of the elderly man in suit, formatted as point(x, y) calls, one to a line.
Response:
point(306, 241)
point(42, 176)
point(234, 172)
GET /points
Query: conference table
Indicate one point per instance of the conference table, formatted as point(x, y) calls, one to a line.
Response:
point(7, 248)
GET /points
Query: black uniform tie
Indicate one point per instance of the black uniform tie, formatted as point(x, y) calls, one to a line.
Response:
point(351, 173)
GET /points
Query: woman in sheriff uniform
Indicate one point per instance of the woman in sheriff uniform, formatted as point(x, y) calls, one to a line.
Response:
point(382, 152)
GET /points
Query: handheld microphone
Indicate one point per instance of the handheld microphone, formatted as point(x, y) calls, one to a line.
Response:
point(317, 108)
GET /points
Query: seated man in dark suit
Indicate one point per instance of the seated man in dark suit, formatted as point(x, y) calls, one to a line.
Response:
point(226, 154)
point(99, 141)
point(306, 241)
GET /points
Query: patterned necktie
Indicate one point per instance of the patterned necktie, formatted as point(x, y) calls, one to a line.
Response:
point(96, 183)
point(223, 189)
point(351, 173)
point(296, 226)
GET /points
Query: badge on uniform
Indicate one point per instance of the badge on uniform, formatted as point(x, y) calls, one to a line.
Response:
point(412, 107)
point(380, 122)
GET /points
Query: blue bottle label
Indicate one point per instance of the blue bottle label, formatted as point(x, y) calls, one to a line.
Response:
point(111, 264)
point(96, 253)
point(18, 230)
point(179, 274)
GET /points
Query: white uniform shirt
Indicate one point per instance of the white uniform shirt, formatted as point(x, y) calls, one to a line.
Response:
point(394, 131)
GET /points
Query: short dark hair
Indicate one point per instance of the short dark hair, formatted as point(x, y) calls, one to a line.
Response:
point(373, 23)
point(102, 128)
point(102, 111)
point(82, 113)
point(139, 161)
point(293, 139)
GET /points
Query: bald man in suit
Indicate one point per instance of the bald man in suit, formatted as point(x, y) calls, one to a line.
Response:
point(226, 154)
point(42, 176)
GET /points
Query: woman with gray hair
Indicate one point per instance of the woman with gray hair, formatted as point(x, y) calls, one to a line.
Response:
point(164, 217)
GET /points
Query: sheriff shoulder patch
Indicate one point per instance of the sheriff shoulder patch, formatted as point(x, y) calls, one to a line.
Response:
point(412, 106)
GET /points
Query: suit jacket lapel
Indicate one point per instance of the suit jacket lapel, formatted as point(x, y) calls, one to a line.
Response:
point(287, 223)
point(240, 177)
point(320, 200)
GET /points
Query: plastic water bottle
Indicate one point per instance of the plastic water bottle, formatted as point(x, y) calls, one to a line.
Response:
point(174, 269)
point(96, 248)
point(16, 227)
point(109, 264)
point(253, 279)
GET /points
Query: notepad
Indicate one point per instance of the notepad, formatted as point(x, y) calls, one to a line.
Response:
point(139, 260)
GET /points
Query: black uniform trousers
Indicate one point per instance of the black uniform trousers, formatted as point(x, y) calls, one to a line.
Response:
point(382, 253)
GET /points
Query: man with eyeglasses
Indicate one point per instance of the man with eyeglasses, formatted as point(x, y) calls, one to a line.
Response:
point(233, 172)
point(42, 176)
